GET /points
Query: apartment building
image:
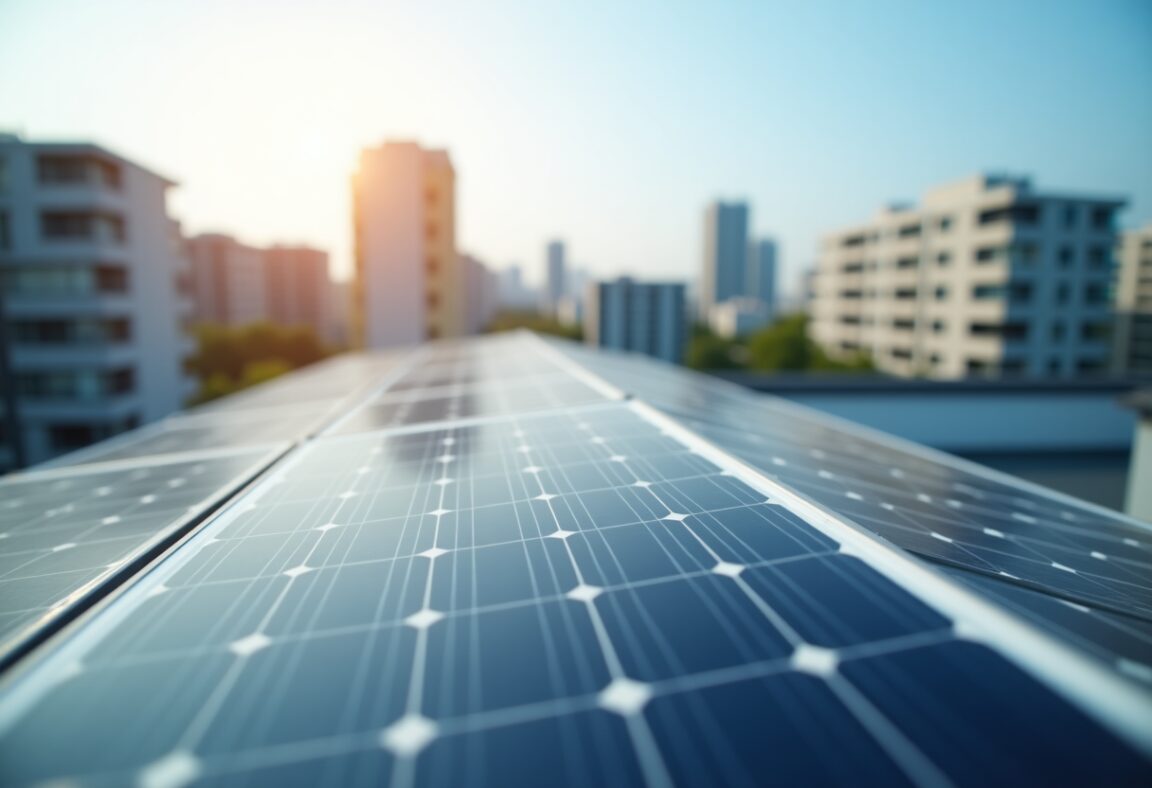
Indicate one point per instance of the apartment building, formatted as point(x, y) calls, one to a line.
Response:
point(724, 273)
point(407, 282)
point(93, 298)
point(229, 284)
point(298, 288)
point(1132, 325)
point(988, 276)
point(646, 318)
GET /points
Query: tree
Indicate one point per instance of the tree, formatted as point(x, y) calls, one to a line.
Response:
point(707, 351)
point(230, 358)
point(785, 346)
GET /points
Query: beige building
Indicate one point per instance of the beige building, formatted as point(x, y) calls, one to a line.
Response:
point(407, 285)
point(1132, 332)
point(987, 276)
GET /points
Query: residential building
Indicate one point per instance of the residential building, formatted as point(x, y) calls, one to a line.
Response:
point(739, 317)
point(1132, 329)
point(988, 276)
point(725, 269)
point(93, 282)
point(639, 317)
point(555, 277)
point(406, 285)
point(298, 286)
point(229, 282)
point(479, 294)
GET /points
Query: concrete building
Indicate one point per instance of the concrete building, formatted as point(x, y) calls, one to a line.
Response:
point(93, 285)
point(762, 273)
point(639, 317)
point(513, 293)
point(1132, 329)
point(229, 282)
point(987, 277)
point(725, 267)
point(406, 284)
point(739, 317)
point(555, 277)
point(480, 294)
point(298, 287)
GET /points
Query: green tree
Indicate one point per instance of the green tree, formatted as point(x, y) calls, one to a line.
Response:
point(706, 351)
point(785, 346)
point(230, 358)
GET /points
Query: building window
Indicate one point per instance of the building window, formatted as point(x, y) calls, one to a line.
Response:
point(1095, 332)
point(989, 254)
point(850, 294)
point(1058, 331)
point(852, 267)
point(1095, 293)
point(1069, 216)
point(903, 324)
point(1066, 256)
point(943, 258)
point(1090, 366)
point(905, 293)
point(1024, 214)
point(938, 326)
point(1014, 332)
point(852, 240)
point(1063, 293)
point(941, 293)
point(81, 225)
point(1102, 218)
point(63, 169)
point(909, 231)
point(945, 223)
point(1098, 257)
point(903, 353)
point(907, 262)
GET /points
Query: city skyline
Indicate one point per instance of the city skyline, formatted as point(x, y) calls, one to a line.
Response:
point(601, 141)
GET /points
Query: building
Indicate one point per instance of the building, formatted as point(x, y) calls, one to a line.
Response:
point(762, 274)
point(555, 277)
point(229, 281)
point(513, 293)
point(94, 298)
point(725, 270)
point(406, 283)
point(987, 277)
point(480, 293)
point(568, 567)
point(739, 317)
point(298, 286)
point(638, 317)
point(1132, 329)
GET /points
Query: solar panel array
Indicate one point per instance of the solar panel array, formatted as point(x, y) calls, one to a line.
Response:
point(490, 568)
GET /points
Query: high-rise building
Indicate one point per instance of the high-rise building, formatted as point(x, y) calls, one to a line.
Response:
point(555, 277)
point(512, 292)
point(1132, 329)
point(725, 269)
point(229, 282)
point(92, 279)
point(298, 286)
point(406, 286)
point(762, 273)
point(987, 276)
point(639, 317)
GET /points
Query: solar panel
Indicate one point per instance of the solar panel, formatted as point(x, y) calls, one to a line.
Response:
point(65, 533)
point(937, 507)
point(583, 593)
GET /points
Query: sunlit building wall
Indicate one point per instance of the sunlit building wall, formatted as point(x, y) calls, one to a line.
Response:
point(229, 282)
point(647, 318)
point(986, 277)
point(298, 287)
point(93, 281)
point(1132, 329)
point(407, 283)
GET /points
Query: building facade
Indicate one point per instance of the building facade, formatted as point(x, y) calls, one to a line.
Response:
point(406, 284)
point(555, 277)
point(638, 317)
point(94, 285)
point(762, 273)
point(480, 294)
point(1132, 328)
point(724, 274)
point(987, 277)
point(298, 287)
point(229, 282)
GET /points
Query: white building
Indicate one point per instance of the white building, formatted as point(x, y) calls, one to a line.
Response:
point(647, 318)
point(987, 276)
point(406, 285)
point(1132, 330)
point(94, 288)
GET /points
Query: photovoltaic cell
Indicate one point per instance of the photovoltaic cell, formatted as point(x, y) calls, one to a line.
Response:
point(571, 598)
point(64, 533)
point(939, 509)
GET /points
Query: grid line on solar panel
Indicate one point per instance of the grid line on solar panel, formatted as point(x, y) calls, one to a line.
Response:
point(66, 533)
point(630, 594)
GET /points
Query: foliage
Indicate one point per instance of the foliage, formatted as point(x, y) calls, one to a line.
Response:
point(231, 358)
point(783, 346)
point(533, 321)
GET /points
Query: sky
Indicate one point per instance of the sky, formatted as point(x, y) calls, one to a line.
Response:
point(608, 124)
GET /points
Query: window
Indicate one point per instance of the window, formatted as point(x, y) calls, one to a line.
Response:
point(850, 294)
point(905, 293)
point(81, 225)
point(941, 293)
point(850, 320)
point(909, 231)
point(1063, 293)
point(989, 254)
point(1096, 293)
point(1095, 332)
point(852, 267)
point(938, 326)
point(55, 280)
point(1012, 367)
point(1102, 218)
point(1090, 366)
point(1066, 256)
point(1098, 257)
point(79, 331)
point(1025, 214)
point(67, 169)
point(945, 223)
point(1014, 332)
point(1018, 292)
point(975, 366)
point(903, 324)
point(1059, 330)
point(1070, 216)
point(943, 258)
point(902, 353)
point(908, 262)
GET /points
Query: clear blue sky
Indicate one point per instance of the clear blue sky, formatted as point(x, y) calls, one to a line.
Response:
point(609, 124)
